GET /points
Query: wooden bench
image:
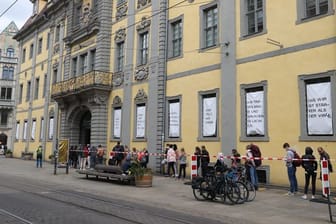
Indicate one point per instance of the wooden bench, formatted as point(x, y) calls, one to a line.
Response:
point(108, 172)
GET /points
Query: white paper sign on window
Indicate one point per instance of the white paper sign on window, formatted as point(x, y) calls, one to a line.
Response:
point(117, 123)
point(255, 117)
point(209, 116)
point(17, 134)
point(42, 129)
point(33, 130)
point(25, 130)
point(174, 119)
point(51, 128)
point(319, 112)
point(140, 122)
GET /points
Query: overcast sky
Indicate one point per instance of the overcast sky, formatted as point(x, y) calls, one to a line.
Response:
point(18, 13)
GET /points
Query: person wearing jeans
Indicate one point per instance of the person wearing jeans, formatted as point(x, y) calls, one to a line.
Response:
point(39, 157)
point(291, 169)
point(250, 165)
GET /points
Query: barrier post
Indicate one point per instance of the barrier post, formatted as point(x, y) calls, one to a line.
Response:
point(326, 184)
point(193, 167)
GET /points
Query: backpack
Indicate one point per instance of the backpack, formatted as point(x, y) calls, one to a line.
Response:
point(297, 162)
point(256, 153)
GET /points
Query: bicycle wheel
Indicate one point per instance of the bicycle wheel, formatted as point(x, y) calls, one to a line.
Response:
point(201, 192)
point(252, 191)
point(233, 192)
point(244, 192)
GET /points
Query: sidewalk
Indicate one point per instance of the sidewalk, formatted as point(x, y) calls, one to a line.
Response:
point(271, 205)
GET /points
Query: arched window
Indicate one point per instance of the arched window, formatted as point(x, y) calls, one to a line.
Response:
point(5, 72)
point(11, 73)
point(10, 52)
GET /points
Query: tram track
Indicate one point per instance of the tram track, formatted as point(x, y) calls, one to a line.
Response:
point(124, 211)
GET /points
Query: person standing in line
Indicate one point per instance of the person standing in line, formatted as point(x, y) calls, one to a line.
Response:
point(236, 158)
point(324, 156)
point(205, 159)
point(183, 164)
point(39, 157)
point(177, 159)
point(251, 166)
point(100, 154)
point(197, 153)
point(291, 169)
point(310, 166)
point(171, 159)
point(88, 157)
point(134, 154)
point(119, 153)
point(93, 157)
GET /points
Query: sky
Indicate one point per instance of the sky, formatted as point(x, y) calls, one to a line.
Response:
point(19, 12)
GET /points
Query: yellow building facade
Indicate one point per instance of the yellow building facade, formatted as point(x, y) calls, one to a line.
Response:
point(149, 73)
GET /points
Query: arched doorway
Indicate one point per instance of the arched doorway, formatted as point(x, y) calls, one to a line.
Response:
point(3, 139)
point(85, 128)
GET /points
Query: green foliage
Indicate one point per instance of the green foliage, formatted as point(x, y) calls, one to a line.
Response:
point(137, 170)
point(9, 151)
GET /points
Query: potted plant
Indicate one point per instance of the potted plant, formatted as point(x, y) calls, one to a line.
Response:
point(143, 176)
point(9, 153)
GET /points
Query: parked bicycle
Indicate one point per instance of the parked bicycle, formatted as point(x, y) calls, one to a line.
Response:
point(216, 186)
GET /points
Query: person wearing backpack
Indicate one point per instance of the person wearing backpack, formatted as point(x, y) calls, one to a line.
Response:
point(324, 156)
point(251, 164)
point(39, 157)
point(310, 166)
point(291, 169)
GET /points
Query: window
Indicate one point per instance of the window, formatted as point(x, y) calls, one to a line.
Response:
point(140, 121)
point(17, 131)
point(143, 49)
point(28, 91)
point(253, 112)
point(210, 27)
point(83, 64)
point(33, 130)
point(74, 67)
point(253, 17)
point(6, 93)
point(54, 80)
point(44, 85)
point(23, 55)
point(208, 106)
point(4, 118)
point(5, 71)
point(20, 93)
point(37, 84)
point(92, 59)
point(8, 72)
point(31, 51)
point(25, 127)
point(317, 103)
point(48, 41)
point(57, 33)
point(313, 8)
point(40, 42)
point(10, 75)
point(77, 15)
point(116, 122)
point(173, 119)
point(10, 52)
point(51, 128)
point(120, 57)
point(140, 116)
point(175, 38)
point(42, 129)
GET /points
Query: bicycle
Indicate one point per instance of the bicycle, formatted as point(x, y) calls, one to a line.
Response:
point(240, 175)
point(213, 187)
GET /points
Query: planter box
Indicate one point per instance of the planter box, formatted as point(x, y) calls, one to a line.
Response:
point(144, 181)
point(27, 155)
point(9, 155)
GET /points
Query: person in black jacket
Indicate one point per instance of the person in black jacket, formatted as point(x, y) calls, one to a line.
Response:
point(205, 159)
point(309, 164)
